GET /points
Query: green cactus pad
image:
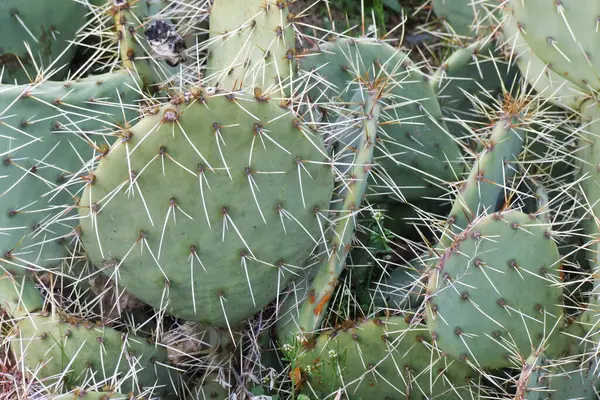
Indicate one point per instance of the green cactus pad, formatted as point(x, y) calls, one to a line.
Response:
point(378, 359)
point(251, 45)
point(47, 27)
point(494, 293)
point(588, 156)
point(416, 154)
point(77, 351)
point(472, 71)
point(563, 34)
point(19, 296)
point(400, 288)
point(552, 86)
point(226, 206)
point(47, 132)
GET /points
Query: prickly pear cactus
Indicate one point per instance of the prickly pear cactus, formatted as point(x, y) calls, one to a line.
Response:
point(495, 291)
point(90, 395)
point(49, 134)
point(252, 45)
point(382, 359)
point(533, 381)
point(209, 388)
point(563, 34)
point(18, 295)
point(415, 151)
point(76, 351)
point(205, 208)
point(549, 84)
point(465, 17)
point(47, 28)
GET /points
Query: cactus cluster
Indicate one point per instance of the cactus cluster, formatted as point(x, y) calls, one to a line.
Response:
point(216, 199)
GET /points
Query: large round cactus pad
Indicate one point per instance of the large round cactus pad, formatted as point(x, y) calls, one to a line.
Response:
point(207, 209)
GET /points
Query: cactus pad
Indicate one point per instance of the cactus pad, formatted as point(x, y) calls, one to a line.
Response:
point(47, 27)
point(207, 208)
point(541, 77)
point(378, 359)
point(563, 34)
point(493, 294)
point(251, 44)
point(47, 135)
point(77, 351)
point(415, 151)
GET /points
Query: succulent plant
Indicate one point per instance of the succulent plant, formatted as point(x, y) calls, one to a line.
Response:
point(251, 206)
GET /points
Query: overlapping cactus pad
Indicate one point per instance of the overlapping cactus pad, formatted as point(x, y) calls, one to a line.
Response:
point(495, 291)
point(35, 35)
point(563, 34)
point(79, 352)
point(416, 152)
point(383, 359)
point(208, 208)
point(254, 48)
point(298, 200)
point(49, 134)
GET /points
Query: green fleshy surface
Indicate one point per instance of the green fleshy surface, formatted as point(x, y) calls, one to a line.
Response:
point(416, 154)
point(383, 359)
point(47, 27)
point(45, 142)
point(219, 254)
point(494, 292)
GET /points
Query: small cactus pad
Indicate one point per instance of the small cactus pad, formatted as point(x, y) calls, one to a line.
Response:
point(78, 351)
point(377, 359)
point(563, 34)
point(207, 208)
point(18, 295)
point(566, 378)
point(47, 27)
point(251, 44)
point(494, 293)
point(415, 151)
point(47, 135)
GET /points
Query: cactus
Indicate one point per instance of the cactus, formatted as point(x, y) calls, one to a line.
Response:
point(382, 358)
point(91, 395)
point(533, 381)
point(251, 46)
point(562, 35)
point(236, 202)
point(50, 132)
point(550, 85)
point(18, 295)
point(35, 38)
point(357, 165)
point(210, 387)
point(466, 17)
point(415, 154)
point(494, 291)
point(75, 351)
point(225, 186)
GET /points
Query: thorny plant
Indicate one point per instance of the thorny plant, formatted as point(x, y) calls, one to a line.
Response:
point(542, 183)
